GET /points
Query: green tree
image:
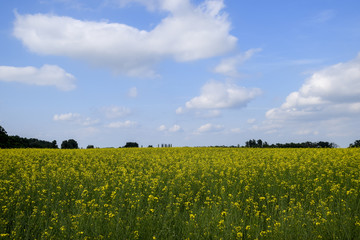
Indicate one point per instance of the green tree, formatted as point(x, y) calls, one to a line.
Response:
point(355, 144)
point(131, 144)
point(54, 144)
point(69, 144)
point(2, 131)
point(3, 138)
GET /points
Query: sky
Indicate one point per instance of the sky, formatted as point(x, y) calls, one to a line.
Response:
point(180, 72)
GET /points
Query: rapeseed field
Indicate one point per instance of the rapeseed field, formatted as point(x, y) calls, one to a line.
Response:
point(180, 193)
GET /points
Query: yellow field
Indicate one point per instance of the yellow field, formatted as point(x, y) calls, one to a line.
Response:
point(180, 193)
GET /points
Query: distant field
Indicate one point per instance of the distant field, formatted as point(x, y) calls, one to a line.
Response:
point(180, 193)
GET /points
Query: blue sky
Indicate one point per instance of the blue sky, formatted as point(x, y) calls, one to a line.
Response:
point(189, 73)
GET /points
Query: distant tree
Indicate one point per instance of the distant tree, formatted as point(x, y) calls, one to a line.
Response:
point(251, 143)
point(3, 138)
point(69, 144)
point(150, 146)
point(131, 145)
point(65, 144)
point(2, 131)
point(356, 144)
point(54, 144)
point(260, 144)
point(254, 144)
point(90, 146)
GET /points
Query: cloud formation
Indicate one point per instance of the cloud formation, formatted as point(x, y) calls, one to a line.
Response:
point(228, 66)
point(331, 92)
point(66, 117)
point(188, 33)
point(75, 118)
point(47, 75)
point(173, 129)
point(119, 124)
point(218, 95)
point(209, 128)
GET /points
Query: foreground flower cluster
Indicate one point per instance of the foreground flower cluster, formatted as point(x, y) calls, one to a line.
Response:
point(180, 193)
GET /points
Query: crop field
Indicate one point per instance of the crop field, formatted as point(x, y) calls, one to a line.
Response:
point(180, 193)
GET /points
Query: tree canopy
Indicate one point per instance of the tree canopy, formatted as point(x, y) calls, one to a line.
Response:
point(355, 144)
point(69, 144)
point(260, 144)
point(131, 144)
point(7, 141)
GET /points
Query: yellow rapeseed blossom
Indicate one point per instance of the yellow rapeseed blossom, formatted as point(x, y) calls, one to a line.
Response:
point(180, 193)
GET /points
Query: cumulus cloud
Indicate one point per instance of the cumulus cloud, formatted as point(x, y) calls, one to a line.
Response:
point(119, 124)
point(152, 5)
point(47, 75)
point(75, 118)
point(229, 66)
point(173, 129)
point(329, 93)
point(188, 33)
point(209, 128)
point(162, 128)
point(218, 95)
point(66, 117)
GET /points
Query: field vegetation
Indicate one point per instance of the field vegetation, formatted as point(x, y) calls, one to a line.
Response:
point(180, 193)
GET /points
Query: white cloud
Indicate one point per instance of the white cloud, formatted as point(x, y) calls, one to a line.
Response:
point(47, 75)
point(331, 92)
point(228, 66)
point(217, 95)
point(89, 121)
point(115, 111)
point(209, 128)
point(173, 129)
point(187, 33)
point(66, 117)
point(180, 110)
point(162, 128)
point(75, 118)
point(165, 5)
point(327, 104)
point(133, 92)
point(126, 124)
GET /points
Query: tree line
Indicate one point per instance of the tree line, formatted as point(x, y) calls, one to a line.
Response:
point(7, 141)
point(261, 144)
